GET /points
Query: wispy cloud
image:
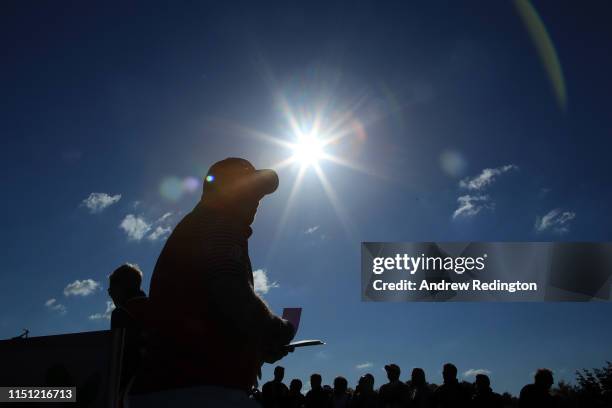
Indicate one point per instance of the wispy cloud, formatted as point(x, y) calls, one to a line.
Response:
point(97, 202)
point(555, 220)
point(110, 306)
point(52, 304)
point(136, 227)
point(159, 233)
point(470, 205)
point(486, 177)
point(312, 230)
point(81, 287)
point(261, 282)
point(363, 366)
point(472, 372)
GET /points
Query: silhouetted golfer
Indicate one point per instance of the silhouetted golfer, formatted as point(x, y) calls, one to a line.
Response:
point(274, 393)
point(214, 332)
point(393, 394)
point(451, 394)
point(538, 393)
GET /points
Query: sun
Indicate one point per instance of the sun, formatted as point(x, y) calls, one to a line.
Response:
point(308, 150)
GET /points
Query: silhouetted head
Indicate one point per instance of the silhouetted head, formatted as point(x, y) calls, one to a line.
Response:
point(449, 373)
point(544, 378)
point(482, 383)
point(295, 386)
point(315, 381)
point(279, 373)
point(124, 283)
point(234, 185)
point(366, 382)
point(340, 385)
point(418, 377)
point(393, 372)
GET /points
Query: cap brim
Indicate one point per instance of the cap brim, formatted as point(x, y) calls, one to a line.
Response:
point(266, 181)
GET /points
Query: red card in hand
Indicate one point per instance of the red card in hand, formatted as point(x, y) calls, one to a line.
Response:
point(293, 315)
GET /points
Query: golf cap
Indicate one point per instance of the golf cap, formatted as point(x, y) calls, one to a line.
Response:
point(235, 177)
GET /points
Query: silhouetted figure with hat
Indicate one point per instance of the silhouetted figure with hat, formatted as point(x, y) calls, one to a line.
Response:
point(365, 396)
point(451, 394)
point(393, 394)
point(295, 398)
point(484, 397)
point(213, 332)
point(420, 395)
point(538, 393)
point(317, 397)
point(340, 396)
point(274, 393)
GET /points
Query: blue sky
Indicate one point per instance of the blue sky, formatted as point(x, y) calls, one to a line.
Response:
point(135, 101)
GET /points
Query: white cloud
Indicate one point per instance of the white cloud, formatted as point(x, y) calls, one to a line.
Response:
point(110, 306)
point(135, 227)
point(52, 304)
point(312, 230)
point(159, 233)
point(363, 366)
point(164, 217)
point(96, 202)
point(472, 372)
point(81, 287)
point(555, 220)
point(486, 177)
point(470, 205)
point(261, 283)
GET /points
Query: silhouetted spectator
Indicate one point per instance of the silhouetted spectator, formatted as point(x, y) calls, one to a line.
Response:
point(124, 288)
point(365, 396)
point(317, 397)
point(451, 394)
point(538, 393)
point(214, 332)
point(124, 285)
point(484, 397)
point(393, 394)
point(420, 395)
point(340, 397)
point(295, 398)
point(274, 393)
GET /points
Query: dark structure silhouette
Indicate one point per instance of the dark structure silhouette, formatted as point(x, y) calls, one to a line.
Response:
point(538, 393)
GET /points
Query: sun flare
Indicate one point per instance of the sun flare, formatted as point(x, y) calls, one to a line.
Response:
point(308, 150)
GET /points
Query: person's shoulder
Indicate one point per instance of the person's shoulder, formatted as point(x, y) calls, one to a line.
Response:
point(120, 319)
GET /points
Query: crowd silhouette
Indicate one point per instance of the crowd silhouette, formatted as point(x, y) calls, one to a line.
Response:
point(414, 393)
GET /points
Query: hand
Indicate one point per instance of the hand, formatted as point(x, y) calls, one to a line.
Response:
point(272, 355)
